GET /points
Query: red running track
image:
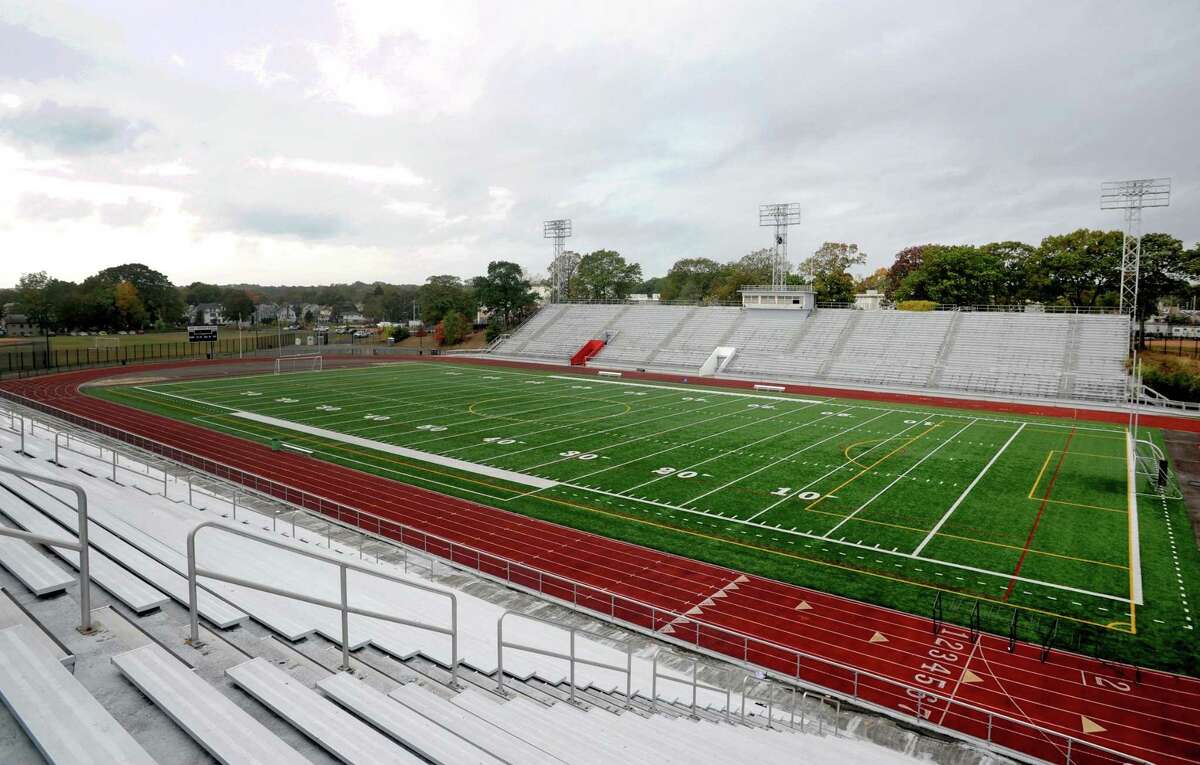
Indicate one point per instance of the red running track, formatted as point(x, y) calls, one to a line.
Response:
point(1156, 717)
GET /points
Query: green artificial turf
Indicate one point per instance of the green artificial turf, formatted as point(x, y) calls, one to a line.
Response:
point(887, 503)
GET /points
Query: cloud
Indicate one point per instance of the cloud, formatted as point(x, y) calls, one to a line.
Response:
point(132, 213)
point(72, 129)
point(176, 168)
point(48, 208)
point(33, 57)
point(500, 203)
point(381, 175)
point(10, 100)
point(281, 222)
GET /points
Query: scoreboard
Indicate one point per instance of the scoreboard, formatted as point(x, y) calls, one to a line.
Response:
point(206, 333)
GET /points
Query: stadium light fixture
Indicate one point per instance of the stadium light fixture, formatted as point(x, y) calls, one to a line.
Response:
point(560, 276)
point(779, 217)
point(1133, 196)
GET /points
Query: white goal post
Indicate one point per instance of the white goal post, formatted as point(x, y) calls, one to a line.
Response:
point(299, 362)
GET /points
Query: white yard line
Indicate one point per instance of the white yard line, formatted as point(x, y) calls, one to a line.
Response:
point(400, 451)
point(783, 459)
point(1135, 545)
point(965, 492)
point(898, 479)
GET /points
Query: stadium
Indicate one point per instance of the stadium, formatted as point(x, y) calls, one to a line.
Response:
point(315, 449)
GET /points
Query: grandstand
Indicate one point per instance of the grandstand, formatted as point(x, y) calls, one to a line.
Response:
point(1007, 354)
point(263, 684)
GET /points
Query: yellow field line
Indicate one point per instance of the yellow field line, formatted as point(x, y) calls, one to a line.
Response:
point(1080, 504)
point(1041, 472)
point(872, 466)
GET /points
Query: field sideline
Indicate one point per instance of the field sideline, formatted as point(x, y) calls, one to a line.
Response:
point(886, 503)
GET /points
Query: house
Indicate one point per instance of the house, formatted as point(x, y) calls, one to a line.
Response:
point(353, 317)
point(208, 313)
point(18, 325)
point(266, 311)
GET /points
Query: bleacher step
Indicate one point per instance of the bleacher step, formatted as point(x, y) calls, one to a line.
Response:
point(33, 569)
point(12, 614)
point(225, 731)
point(122, 585)
point(65, 722)
point(508, 746)
point(335, 730)
point(421, 735)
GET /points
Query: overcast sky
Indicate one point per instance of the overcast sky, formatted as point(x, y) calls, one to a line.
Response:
point(302, 141)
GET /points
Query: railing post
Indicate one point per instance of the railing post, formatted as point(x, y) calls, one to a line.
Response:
point(792, 720)
point(572, 665)
point(190, 504)
point(743, 713)
point(56, 437)
point(345, 623)
point(193, 608)
point(989, 729)
point(114, 475)
point(695, 666)
point(628, 676)
point(499, 653)
point(453, 639)
point(1069, 741)
point(235, 504)
point(654, 683)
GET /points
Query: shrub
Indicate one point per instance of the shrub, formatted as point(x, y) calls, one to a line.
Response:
point(454, 328)
point(916, 305)
point(494, 329)
point(400, 332)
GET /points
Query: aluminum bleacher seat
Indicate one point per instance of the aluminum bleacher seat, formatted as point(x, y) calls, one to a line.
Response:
point(65, 722)
point(418, 733)
point(339, 733)
point(891, 347)
point(225, 731)
point(639, 332)
point(38, 573)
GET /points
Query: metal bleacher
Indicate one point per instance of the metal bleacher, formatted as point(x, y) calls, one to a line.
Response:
point(226, 731)
point(65, 722)
point(1004, 353)
point(275, 686)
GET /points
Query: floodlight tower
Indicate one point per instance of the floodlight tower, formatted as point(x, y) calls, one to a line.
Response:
point(779, 217)
point(1132, 197)
point(559, 231)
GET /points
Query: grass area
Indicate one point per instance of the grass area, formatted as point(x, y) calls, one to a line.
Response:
point(887, 503)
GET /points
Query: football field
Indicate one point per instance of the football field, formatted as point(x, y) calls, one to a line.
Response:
point(886, 502)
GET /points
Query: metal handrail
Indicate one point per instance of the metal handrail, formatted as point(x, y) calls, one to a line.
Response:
point(405, 534)
point(85, 570)
point(694, 683)
point(343, 606)
point(501, 644)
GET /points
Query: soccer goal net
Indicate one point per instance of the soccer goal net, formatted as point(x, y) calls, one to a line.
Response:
point(301, 362)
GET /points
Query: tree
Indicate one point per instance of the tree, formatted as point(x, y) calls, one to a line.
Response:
point(568, 262)
point(906, 261)
point(236, 303)
point(604, 275)
point(454, 328)
point(1166, 270)
point(400, 332)
point(690, 279)
point(199, 292)
point(505, 290)
point(160, 299)
point(829, 268)
point(954, 275)
point(33, 300)
point(1013, 286)
point(131, 312)
point(876, 280)
point(1079, 267)
point(440, 295)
